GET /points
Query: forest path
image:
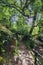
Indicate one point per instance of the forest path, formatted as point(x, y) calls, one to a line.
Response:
point(24, 57)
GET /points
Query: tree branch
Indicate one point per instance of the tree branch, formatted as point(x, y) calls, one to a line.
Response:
point(13, 6)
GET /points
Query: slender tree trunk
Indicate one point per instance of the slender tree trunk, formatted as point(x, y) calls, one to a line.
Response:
point(33, 23)
point(35, 59)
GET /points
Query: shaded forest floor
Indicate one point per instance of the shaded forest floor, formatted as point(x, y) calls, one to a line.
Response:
point(24, 57)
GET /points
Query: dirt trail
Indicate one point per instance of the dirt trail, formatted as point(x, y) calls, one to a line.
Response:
point(24, 57)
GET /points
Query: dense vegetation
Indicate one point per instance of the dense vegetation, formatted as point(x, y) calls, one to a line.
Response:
point(20, 21)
